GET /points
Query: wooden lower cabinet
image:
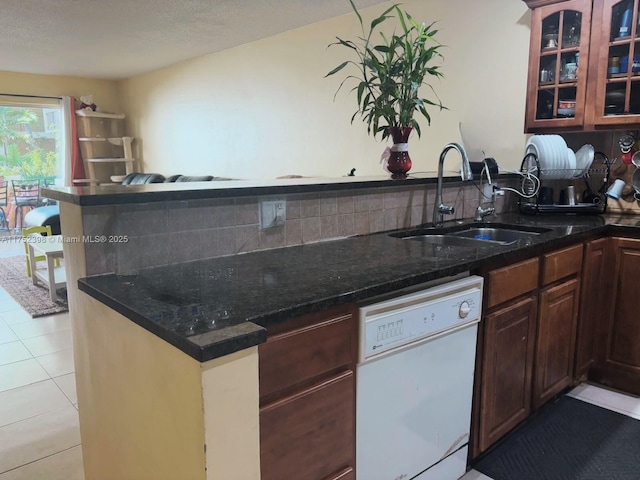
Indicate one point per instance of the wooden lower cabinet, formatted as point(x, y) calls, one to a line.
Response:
point(555, 346)
point(526, 341)
point(618, 336)
point(507, 365)
point(595, 302)
point(309, 434)
point(307, 397)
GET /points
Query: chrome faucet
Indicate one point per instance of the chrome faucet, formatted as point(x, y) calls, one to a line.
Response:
point(481, 211)
point(439, 208)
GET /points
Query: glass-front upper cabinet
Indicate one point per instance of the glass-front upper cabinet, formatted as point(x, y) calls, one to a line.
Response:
point(558, 61)
point(617, 93)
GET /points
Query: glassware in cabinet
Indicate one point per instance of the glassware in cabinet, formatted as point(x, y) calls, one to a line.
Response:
point(617, 87)
point(560, 40)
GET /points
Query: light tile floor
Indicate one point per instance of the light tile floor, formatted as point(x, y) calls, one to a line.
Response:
point(39, 432)
point(602, 397)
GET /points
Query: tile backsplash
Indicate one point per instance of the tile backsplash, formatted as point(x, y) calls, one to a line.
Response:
point(178, 231)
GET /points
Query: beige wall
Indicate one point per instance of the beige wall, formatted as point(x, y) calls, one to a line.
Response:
point(264, 109)
point(105, 92)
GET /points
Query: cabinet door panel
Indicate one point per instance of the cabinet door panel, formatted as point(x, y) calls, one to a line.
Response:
point(556, 340)
point(506, 370)
point(310, 434)
point(558, 60)
point(615, 90)
point(618, 362)
point(595, 302)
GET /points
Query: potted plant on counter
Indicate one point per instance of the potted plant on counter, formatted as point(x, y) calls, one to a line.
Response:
point(390, 76)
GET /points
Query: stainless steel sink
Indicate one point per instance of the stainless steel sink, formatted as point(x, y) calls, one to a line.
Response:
point(504, 236)
point(449, 240)
point(474, 235)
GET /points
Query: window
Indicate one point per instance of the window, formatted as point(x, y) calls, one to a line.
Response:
point(32, 139)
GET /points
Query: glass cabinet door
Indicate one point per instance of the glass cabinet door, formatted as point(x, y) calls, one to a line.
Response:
point(618, 83)
point(558, 65)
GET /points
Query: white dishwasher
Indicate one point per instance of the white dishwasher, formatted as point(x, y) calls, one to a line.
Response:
point(415, 382)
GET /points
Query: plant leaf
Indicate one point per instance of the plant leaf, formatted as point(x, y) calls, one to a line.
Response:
point(337, 69)
point(356, 10)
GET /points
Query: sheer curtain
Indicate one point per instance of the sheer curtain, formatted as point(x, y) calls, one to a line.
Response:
point(73, 164)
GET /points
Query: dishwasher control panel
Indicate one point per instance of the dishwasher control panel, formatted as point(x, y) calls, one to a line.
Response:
point(400, 321)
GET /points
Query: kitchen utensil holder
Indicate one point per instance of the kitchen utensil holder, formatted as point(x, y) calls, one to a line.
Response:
point(599, 171)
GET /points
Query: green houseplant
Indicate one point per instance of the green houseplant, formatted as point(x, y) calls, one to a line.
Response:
point(389, 77)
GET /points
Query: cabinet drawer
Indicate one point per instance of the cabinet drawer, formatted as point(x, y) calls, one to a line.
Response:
point(512, 281)
point(302, 354)
point(560, 264)
point(311, 434)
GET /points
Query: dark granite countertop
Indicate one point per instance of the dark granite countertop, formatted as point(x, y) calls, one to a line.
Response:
point(158, 192)
point(210, 308)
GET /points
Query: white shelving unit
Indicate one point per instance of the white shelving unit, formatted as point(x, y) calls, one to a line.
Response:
point(104, 145)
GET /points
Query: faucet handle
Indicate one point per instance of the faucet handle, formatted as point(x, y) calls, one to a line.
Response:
point(446, 209)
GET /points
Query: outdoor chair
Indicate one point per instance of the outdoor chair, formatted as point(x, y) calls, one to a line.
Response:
point(4, 187)
point(26, 194)
point(46, 230)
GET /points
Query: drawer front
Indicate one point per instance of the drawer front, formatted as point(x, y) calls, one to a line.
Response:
point(311, 434)
point(300, 355)
point(561, 264)
point(512, 281)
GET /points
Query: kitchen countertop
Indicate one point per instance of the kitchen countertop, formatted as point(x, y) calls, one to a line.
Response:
point(160, 192)
point(214, 307)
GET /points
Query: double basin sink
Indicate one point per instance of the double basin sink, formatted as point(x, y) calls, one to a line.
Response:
point(474, 235)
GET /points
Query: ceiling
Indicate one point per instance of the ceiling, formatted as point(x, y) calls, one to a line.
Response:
point(116, 39)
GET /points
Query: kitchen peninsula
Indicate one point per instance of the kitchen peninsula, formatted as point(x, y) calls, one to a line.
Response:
point(167, 324)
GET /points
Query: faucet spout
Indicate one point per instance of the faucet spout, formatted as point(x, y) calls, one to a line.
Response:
point(440, 209)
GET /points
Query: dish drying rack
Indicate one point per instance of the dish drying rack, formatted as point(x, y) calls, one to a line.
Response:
point(591, 184)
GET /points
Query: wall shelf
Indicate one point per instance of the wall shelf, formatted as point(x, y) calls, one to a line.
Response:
point(91, 113)
point(103, 146)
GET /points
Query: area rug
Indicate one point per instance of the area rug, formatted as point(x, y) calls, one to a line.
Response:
point(568, 440)
point(34, 299)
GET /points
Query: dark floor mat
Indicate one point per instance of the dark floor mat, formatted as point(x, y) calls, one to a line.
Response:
point(568, 440)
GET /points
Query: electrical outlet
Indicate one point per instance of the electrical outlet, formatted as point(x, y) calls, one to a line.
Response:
point(272, 213)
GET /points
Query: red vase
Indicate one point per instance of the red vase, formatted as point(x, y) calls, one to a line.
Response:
point(399, 162)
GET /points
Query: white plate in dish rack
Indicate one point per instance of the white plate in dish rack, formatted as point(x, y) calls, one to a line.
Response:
point(547, 155)
point(571, 162)
point(541, 149)
point(561, 149)
point(584, 158)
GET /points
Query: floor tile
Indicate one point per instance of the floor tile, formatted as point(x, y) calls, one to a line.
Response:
point(41, 326)
point(65, 465)
point(50, 343)
point(38, 437)
point(19, 374)
point(8, 304)
point(470, 475)
point(13, 352)
point(67, 384)
point(29, 401)
point(58, 363)
point(610, 399)
point(7, 335)
point(14, 317)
